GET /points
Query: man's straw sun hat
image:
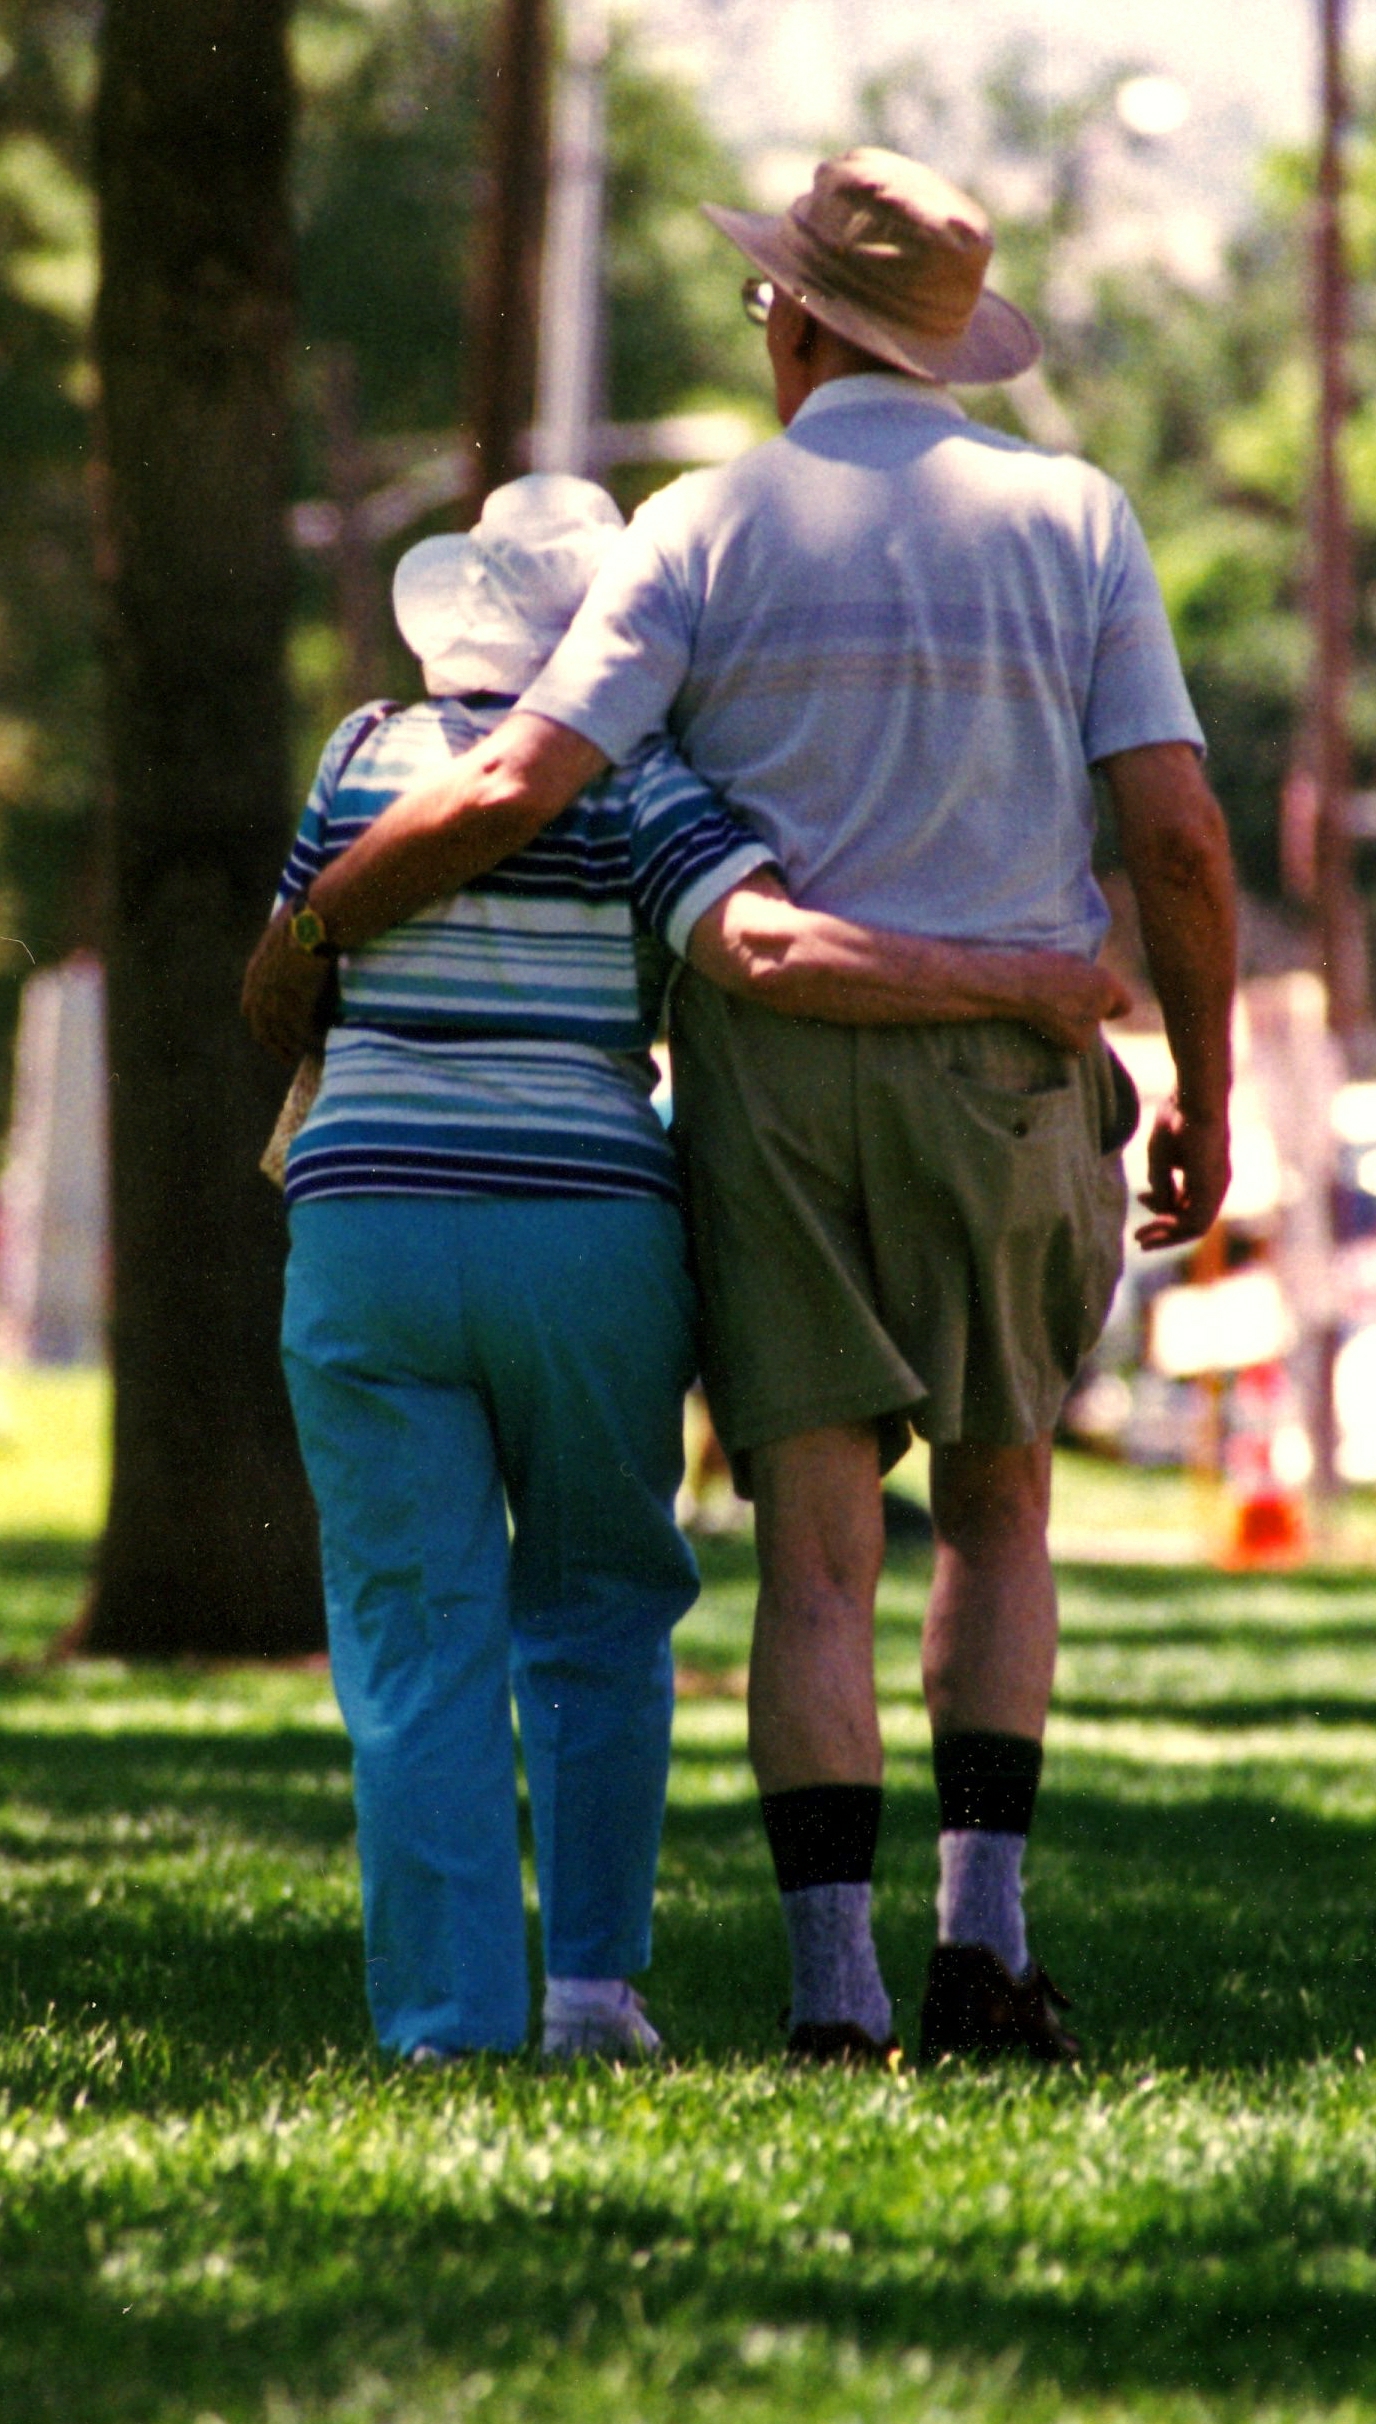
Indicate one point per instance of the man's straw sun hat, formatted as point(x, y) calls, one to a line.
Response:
point(891, 257)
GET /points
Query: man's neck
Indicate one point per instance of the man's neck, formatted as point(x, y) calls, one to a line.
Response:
point(832, 358)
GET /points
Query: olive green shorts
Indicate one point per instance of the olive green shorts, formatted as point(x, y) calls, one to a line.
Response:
point(915, 1226)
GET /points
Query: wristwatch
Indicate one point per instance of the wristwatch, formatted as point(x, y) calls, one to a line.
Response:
point(306, 927)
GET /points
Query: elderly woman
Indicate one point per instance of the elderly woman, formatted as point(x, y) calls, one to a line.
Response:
point(489, 1315)
point(488, 1326)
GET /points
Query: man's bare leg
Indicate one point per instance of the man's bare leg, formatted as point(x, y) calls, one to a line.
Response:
point(988, 1661)
point(989, 1646)
point(814, 1729)
point(819, 1534)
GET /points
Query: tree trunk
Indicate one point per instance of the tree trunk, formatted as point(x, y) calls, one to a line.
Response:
point(211, 1545)
point(508, 302)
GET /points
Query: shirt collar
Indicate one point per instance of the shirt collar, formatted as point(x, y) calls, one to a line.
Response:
point(878, 387)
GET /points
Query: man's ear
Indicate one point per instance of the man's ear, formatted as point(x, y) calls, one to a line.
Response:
point(798, 327)
point(803, 332)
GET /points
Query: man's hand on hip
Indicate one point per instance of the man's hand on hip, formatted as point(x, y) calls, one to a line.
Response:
point(1188, 1169)
point(1068, 999)
point(284, 989)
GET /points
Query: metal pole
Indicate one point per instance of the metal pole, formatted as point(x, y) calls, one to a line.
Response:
point(1341, 922)
point(1342, 938)
point(569, 380)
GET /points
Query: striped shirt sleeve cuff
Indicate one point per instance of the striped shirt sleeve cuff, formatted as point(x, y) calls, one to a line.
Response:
point(711, 886)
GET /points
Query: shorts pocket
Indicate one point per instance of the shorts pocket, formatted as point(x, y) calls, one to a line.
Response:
point(1123, 1110)
point(1013, 1079)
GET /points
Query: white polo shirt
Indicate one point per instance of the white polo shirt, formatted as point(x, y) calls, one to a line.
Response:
point(897, 641)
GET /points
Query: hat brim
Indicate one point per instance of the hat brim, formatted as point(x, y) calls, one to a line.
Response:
point(423, 589)
point(998, 342)
point(500, 651)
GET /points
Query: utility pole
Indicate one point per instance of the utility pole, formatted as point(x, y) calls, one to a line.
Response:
point(1342, 928)
point(504, 383)
point(568, 397)
point(1316, 822)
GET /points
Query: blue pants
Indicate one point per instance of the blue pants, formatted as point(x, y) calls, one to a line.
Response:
point(450, 1360)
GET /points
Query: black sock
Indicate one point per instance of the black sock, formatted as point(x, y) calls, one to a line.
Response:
point(823, 1834)
point(987, 1781)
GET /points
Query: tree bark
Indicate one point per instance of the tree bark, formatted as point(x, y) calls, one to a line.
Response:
point(508, 303)
point(211, 1546)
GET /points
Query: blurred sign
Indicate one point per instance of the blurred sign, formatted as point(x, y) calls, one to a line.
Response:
point(1223, 1325)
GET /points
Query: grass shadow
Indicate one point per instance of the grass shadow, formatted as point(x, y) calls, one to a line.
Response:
point(47, 1556)
point(288, 1787)
point(1207, 1931)
point(1227, 1716)
point(1202, 2302)
point(206, 1884)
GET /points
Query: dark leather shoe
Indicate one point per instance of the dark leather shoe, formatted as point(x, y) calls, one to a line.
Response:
point(842, 2041)
point(974, 2006)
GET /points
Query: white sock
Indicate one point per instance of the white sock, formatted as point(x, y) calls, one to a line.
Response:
point(585, 1998)
point(835, 1966)
point(979, 1899)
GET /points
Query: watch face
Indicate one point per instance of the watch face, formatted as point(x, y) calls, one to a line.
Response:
point(308, 929)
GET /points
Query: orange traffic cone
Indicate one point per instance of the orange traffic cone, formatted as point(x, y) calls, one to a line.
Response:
point(1266, 1520)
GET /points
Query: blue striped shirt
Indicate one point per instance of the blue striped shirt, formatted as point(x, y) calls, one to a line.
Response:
point(498, 1043)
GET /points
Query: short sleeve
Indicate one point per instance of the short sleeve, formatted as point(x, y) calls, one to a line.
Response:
point(1137, 692)
point(688, 849)
point(312, 846)
point(620, 665)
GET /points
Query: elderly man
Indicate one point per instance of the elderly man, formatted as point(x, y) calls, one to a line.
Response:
point(898, 642)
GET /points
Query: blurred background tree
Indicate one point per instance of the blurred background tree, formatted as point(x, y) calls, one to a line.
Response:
point(1196, 390)
point(211, 1545)
point(389, 191)
point(391, 188)
point(1199, 396)
point(49, 693)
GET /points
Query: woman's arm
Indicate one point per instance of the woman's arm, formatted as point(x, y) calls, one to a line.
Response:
point(423, 848)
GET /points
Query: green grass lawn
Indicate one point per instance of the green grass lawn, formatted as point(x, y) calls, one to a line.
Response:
point(217, 2203)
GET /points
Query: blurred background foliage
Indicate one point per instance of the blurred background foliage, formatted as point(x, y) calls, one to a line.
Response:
point(390, 187)
point(1198, 396)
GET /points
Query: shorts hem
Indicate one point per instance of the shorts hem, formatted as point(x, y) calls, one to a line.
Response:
point(894, 1424)
point(1011, 1434)
point(741, 1437)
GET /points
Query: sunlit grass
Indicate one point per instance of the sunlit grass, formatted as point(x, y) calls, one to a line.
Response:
point(54, 1453)
point(216, 2202)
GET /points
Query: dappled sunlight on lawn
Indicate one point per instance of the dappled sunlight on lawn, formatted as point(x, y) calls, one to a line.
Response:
point(217, 2202)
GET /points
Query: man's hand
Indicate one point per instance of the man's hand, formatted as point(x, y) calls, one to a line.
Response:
point(284, 992)
point(1066, 999)
point(1188, 1169)
point(1175, 849)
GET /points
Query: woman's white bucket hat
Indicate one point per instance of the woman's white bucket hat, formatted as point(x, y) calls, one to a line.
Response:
point(484, 608)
